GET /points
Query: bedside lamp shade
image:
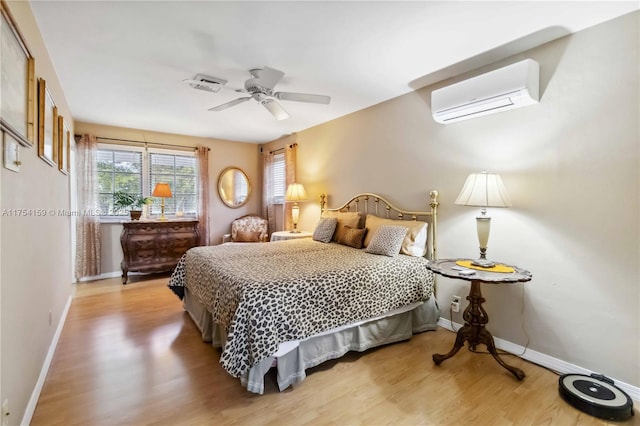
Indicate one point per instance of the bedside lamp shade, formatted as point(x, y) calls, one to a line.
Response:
point(483, 190)
point(295, 193)
point(163, 190)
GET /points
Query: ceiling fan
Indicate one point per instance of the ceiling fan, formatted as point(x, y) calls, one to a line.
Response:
point(260, 88)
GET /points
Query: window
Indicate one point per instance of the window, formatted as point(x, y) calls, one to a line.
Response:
point(180, 172)
point(278, 178)
point(136, 171)
point(118, 170)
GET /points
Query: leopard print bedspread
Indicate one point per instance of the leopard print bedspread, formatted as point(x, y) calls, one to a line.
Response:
point(265, 294)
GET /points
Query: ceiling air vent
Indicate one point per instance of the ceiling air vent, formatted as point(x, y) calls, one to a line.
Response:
point(205, 82)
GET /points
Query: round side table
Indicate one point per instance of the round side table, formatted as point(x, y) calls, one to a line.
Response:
point(288, 235)
point(475, 317)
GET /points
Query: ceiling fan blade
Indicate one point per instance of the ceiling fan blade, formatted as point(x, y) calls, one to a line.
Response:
point(302, 97)
point(265, 77)
point(275, 109)
point(230, 104)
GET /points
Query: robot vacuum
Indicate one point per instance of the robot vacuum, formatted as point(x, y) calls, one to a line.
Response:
point(596, 395)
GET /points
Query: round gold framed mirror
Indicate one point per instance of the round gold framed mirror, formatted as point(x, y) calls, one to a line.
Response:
point(234, 187)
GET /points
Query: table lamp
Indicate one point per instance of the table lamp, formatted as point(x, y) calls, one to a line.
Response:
point(483, 190)
point(163, 190)
point(295, 193)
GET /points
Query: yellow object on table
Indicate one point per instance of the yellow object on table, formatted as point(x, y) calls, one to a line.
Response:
point(497, 268)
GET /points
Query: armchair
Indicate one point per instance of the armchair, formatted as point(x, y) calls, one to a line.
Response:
point(248, 228)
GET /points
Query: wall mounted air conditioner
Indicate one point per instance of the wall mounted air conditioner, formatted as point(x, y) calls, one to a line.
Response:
point(513, 86)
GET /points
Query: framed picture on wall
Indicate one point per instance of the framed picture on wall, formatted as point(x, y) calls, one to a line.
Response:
point(17, 82)
point(64, 149)
point(11, 155)
point(47, 125)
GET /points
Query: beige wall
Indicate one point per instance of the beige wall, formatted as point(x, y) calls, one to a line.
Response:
point(223, 154)
point(36, 251)
point(570, 165)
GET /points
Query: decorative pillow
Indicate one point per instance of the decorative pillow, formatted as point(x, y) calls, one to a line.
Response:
point(351, 219)
point(247, 237)
point(352, 237)
point(415, 242)
point(387, 240)
point(325, 229)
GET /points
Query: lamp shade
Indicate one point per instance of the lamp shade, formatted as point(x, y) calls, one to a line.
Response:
point(483, 190)
point(162, 189)
point(296, 192)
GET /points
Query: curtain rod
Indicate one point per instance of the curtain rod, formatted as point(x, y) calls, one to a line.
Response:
point(146, 143)
point(283, 148)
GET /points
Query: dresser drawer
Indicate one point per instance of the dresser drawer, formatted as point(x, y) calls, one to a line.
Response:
point(155, 246)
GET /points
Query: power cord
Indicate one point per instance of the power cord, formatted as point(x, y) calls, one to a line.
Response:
point(451, 318)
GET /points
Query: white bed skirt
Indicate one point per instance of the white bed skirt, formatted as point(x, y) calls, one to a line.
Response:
point(293, 358)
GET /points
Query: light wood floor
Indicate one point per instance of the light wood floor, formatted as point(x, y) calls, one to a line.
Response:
point(130, 355)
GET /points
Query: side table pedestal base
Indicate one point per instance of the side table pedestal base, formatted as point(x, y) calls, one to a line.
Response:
point(475, 333)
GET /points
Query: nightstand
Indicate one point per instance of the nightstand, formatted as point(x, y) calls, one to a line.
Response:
point(475, 317)
point(288, 235)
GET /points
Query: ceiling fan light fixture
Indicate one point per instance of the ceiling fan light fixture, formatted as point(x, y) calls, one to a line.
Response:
point(275, 109)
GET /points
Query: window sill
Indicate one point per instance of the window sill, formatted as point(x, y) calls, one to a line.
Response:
point(113, 219)
point(120, 219)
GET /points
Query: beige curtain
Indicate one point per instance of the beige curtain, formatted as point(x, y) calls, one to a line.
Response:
point(290, 156)
point(202, 154)
point(268, 209)
point(87, 225)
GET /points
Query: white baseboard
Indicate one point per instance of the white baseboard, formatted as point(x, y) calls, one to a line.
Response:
point(555, 364)
point(102, 276)
point(114, 274)
point(35, 395)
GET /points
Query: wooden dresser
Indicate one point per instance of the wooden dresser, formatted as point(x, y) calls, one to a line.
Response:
point(155, 246)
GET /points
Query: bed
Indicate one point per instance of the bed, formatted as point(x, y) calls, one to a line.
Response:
point(293, 304)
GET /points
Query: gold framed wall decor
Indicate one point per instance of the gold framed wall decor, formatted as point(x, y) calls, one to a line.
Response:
point(47, 125)
point(64, 149)
point(17, 82)
point(234, 187)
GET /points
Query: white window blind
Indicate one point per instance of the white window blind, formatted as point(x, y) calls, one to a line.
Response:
point(118, 170)
point(180, 172)
point(278, 178)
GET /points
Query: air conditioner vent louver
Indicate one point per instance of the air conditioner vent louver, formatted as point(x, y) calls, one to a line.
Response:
point(207, 83)
point(511, 87)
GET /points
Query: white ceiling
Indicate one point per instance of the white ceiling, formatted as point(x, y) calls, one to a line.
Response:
point(122, 63)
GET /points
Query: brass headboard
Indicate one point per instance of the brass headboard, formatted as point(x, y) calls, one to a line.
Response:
point(383, 208)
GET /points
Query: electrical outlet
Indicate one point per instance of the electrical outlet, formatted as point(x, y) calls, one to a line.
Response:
point(455, 303)
point(5, 412)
